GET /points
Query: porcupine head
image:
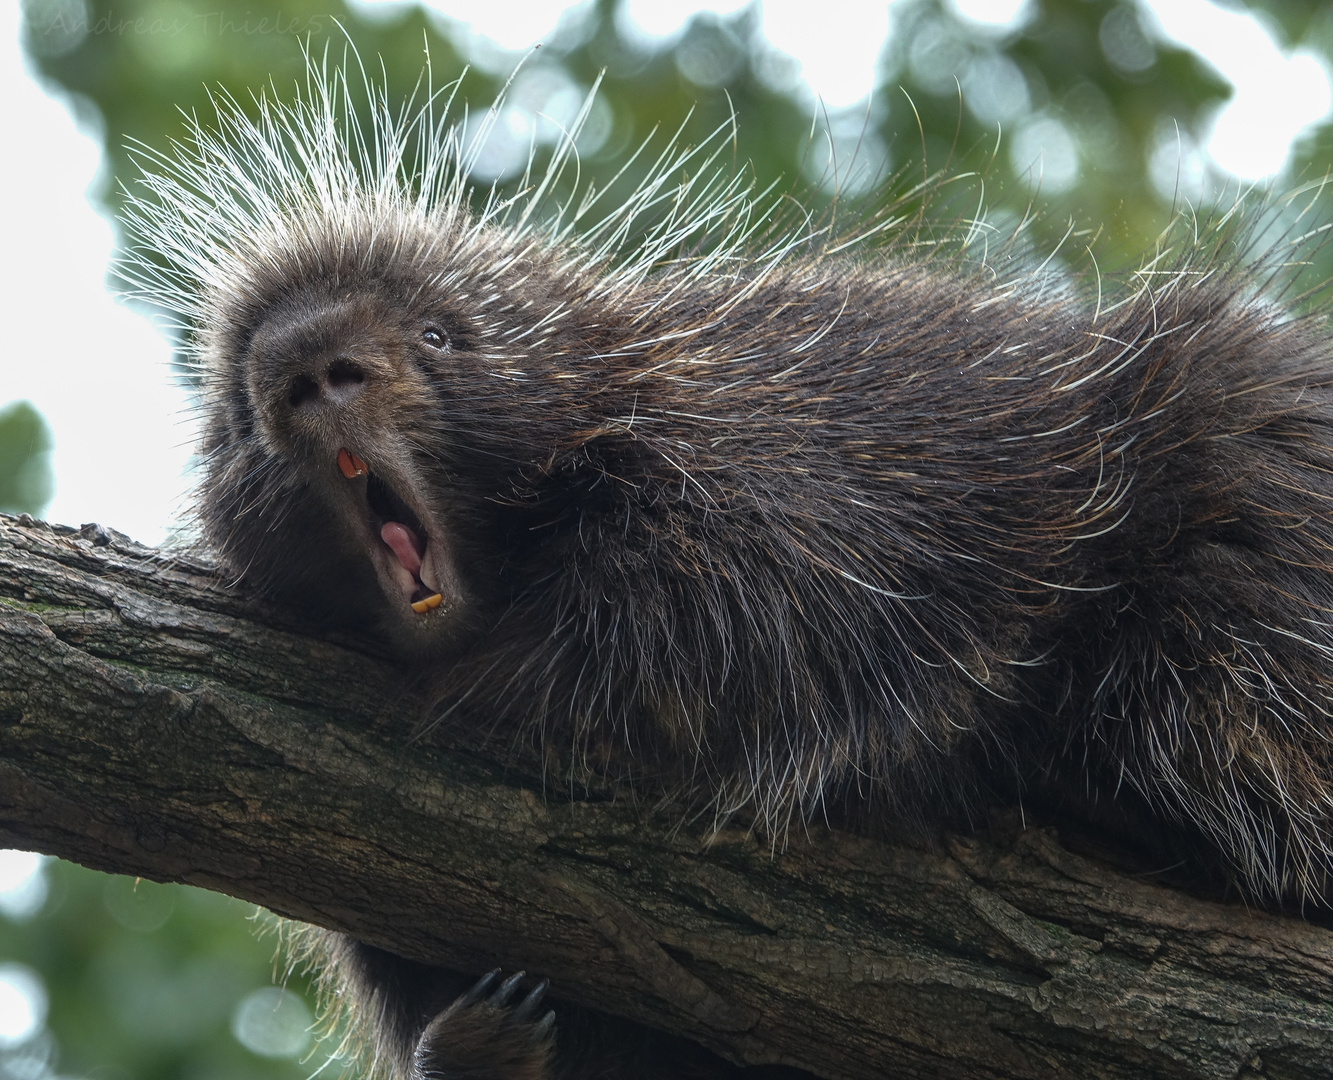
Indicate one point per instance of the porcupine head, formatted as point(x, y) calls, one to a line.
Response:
point(420, 402)
point(389, 387)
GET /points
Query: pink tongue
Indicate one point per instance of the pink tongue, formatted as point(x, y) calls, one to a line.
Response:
point(403, 543)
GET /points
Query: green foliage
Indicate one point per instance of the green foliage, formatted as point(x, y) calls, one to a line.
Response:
point(151, 982)
point(1117, 105)
point(26, 481)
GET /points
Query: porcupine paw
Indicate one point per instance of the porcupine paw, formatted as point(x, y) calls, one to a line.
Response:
point(482, 1037)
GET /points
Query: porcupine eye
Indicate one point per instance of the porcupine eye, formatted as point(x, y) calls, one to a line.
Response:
point(435, 338)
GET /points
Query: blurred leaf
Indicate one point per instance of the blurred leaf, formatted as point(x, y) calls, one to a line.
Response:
point(26, 480)
point(157, 982)
point(1079, 112)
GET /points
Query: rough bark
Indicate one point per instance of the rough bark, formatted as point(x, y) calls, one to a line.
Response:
point(154, 722)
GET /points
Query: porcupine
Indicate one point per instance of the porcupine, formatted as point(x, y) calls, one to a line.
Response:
point(833, 526)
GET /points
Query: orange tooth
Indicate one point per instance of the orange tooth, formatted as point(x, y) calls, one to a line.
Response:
point(351, 465)
point(423, 606)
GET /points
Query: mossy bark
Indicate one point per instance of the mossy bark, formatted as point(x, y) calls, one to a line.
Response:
point(155, 722)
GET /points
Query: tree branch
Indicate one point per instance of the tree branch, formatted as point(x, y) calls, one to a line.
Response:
point(154, 722)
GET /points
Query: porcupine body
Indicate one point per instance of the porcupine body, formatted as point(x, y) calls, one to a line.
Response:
point(820, 528)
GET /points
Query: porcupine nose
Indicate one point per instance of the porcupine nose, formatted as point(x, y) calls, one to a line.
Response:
point(311, 368)
point(338, 382)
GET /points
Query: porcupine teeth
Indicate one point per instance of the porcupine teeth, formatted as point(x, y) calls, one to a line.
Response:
point(351, 465)
point(417, 576)
point(415, 572)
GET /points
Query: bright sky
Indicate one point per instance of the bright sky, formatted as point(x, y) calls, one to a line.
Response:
point(97, 371)
point(100, 374)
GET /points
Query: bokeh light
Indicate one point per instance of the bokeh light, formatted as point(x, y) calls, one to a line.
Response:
point(23, 883)
point(23, 1004)
point(272, 1022)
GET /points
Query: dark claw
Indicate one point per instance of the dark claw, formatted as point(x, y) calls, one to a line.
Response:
point(482, 1035)
point(478, 990)
point(501, 997)
point(525, 1008)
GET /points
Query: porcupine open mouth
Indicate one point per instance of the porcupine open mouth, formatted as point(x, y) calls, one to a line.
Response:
point(404, 551)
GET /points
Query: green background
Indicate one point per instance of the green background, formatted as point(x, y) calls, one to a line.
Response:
point(155, 996)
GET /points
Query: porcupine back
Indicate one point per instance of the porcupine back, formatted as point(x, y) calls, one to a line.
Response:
point(789, 522)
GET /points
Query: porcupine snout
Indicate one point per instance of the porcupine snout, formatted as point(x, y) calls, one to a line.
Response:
point(323, 375)
point(326, 385)
point(334, 375)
